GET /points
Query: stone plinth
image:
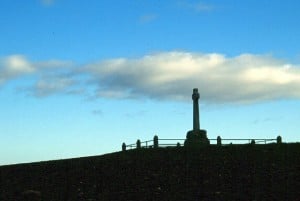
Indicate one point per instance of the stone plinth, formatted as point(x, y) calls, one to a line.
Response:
point(196, 138)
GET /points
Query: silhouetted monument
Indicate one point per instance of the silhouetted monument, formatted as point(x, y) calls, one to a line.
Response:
point(197, 136)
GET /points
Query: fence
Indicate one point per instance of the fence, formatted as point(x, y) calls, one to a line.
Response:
point(155, 143)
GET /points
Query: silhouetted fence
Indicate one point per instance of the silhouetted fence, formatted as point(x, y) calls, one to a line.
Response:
point(155, 143)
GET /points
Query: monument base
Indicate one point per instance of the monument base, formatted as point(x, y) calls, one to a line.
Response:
point(196, 138)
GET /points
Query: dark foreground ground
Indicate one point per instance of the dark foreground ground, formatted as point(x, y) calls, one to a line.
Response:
point(234, 172)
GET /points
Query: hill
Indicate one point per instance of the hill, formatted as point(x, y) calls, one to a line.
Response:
point(233, 172)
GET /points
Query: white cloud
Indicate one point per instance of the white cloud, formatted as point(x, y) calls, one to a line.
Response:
point(51, 64)
point(50, 76)
point(245, 78)
point(48, 86)
point(171, 75)
point(14, 66)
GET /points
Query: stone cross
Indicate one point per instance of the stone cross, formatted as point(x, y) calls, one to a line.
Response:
point(196, 96)
point(197, 136)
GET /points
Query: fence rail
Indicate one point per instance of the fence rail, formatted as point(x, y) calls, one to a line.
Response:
point(180, 142)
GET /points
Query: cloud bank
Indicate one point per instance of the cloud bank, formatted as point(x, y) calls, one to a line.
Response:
point(171, 75)
point(245, 78)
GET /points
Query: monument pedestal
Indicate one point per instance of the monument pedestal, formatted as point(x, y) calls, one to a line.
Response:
point(196, 138)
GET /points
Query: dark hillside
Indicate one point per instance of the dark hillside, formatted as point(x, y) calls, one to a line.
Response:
point(234, 172)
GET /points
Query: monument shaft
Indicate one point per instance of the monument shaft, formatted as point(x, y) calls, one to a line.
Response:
point(196, 96)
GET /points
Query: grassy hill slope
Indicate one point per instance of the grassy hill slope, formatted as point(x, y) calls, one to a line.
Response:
point(234, 172)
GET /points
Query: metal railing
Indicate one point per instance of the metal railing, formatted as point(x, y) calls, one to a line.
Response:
point(180, 142)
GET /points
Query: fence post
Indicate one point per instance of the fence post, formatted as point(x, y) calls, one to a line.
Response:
point(219, 141)
point(123, 146)
point(138, 144)
point(155, 141)
point(279, 139)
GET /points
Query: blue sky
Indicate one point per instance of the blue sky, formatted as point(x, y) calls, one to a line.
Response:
point(79, 78)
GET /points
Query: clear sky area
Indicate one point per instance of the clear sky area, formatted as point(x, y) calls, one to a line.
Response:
point(79, 78)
